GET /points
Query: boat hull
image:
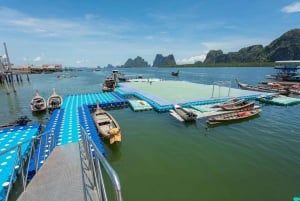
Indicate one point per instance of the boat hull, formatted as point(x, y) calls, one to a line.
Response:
point(184, 114)
point(233, 117)
point(38, 103)
point(240, 106)
point(107, 126)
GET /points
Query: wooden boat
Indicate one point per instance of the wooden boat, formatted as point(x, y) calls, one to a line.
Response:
point(38, 103)
point(122, 78)
point(106, 125)
point(233, 116)
point(273, 89)
point(184, 114)
point(54, 101)
point(230, 102)
point(108, 85)
point(175, 73)
point(244, 105)
point(21, 121)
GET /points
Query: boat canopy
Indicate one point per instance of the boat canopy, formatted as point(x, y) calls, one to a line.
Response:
point(289, 63)
point(291, 66)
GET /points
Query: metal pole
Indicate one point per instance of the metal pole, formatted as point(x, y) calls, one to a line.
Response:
point(21, 166)
point(229, 87)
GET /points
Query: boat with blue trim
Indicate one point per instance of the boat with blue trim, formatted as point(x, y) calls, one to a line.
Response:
point(287, 70)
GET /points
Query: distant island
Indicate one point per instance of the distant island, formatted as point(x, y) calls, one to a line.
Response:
point(286, 47)
point(137, 62)
point(159, 61)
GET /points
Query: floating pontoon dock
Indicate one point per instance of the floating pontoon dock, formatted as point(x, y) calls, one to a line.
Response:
point(162, 95)
point(64, 125)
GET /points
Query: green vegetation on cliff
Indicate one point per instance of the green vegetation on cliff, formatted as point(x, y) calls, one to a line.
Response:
point(137, 62)
point(286, 47)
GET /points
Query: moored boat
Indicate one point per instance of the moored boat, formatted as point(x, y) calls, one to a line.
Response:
point(38, 103)
point(106, 125)
point(287, 70)
point(185, 114)
point(108, 85)
point(266, 88)
point(175, 73)
point(54, 101)
point(230, 102)
point(243, 105)
point(233, 116)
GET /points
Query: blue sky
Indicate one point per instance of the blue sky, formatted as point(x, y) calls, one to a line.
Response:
point(96, 32)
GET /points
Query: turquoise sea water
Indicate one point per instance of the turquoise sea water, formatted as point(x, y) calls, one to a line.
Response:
point(162, 159)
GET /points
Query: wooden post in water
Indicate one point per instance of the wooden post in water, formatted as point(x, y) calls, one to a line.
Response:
point(9, 67)
point(4, 77)
point(17, 77)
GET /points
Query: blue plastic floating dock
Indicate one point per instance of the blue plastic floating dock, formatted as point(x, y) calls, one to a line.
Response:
point(9, 138)
point(64, 124)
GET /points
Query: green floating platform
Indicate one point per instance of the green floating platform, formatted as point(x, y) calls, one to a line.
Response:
point(279, 100)
point(139, 105)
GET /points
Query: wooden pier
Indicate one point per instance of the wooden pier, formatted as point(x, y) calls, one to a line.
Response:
point(7, 75)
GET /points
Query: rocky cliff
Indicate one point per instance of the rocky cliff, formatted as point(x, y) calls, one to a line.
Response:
point(137, 62)
point(286, 47)
point(160, 60)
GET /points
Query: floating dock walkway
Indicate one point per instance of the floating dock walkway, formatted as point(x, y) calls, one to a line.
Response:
point(62, 128)
point(9, 138)
point(64, 125)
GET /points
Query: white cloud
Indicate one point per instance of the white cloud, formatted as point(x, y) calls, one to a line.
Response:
point(90, 16)
point(19, 22)
point(38, 58)
point(292, 8)
point(82, 61)
point(191, 60)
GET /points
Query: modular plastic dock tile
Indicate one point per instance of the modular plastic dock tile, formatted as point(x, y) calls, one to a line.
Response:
point(162, 95)
point(11, 137)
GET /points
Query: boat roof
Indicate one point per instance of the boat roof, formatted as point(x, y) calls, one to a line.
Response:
point(288, 62)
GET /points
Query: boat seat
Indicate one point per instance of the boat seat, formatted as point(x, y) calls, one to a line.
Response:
point(103, 118)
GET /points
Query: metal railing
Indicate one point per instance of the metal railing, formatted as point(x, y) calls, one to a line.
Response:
point(96, 160)
point(21, 164)
point(221, 84)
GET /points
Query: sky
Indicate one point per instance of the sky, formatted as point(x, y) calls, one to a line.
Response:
point(90, 33)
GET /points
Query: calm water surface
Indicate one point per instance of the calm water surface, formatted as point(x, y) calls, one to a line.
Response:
point(163, 159)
